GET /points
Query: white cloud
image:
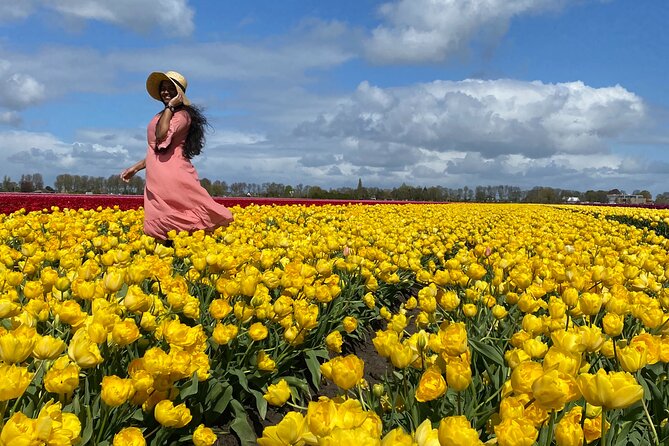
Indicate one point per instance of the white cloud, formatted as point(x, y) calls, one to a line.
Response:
point(174, 17)
point(27, 152)
point(434, 30)
point(15, 10)
point(493, 118)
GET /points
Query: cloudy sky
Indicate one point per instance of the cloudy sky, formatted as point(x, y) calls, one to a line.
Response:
point(564, 93)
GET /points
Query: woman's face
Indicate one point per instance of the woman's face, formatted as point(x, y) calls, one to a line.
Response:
point(167, 91)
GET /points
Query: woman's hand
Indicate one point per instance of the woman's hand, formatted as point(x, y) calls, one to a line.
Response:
point(128, 173)
point(176, 100)
point(132, 170)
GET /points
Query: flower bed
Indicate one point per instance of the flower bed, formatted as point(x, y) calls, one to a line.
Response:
point(506, 324)
point(11, 202)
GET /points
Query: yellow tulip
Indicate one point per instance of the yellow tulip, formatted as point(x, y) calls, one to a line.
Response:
point(48, 347)
point(613, 390)
point(458, 374)
point(457, 431)
point(83, 351)
point(344, 371)
point(289, 431)
point(277, 394)
point(592, 428)
point(265, 362)
point(321, 416)
point(470, 310)
point(204, 436)
point(523, 376)
point(125, 332)
point(334, 341)
point(562, 360)
point(431, 386)
point(113, 280)
point(633, 357)
point(426, 435)
point(568, 431)
point(516, 432)
point(453, 338)
point(223, 334)
point(129, 436)
point(613, 324)
point(115, 390)
point(397, 437)
point(350, 324)
point(14, 382)
point(258, 331)
point(20, 430)
point(169, 415)
point(402, 355)
point(554, 389)
point(63, 377)
point(220, 308)
point(18, 344)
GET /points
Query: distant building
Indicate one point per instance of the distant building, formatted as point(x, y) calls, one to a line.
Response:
point(573, 200)
point(626, 199)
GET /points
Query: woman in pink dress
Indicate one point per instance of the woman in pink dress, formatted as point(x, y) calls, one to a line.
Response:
point(173, 196)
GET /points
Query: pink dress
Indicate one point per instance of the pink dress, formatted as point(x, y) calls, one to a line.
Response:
point(173, 196)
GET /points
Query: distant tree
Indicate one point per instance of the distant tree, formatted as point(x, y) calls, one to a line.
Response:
point(26, 183)
point(237, 189)
point(596, 196)
point(646, 194)
point(206, 183)
point(219, 188)
point(662, 198)
point(38, 181)
point(8, 185)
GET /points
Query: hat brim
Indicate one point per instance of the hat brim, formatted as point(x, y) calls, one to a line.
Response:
point(153, 86)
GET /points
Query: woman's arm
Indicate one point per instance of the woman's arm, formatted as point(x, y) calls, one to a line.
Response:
point(163, 124)
point(132, 170)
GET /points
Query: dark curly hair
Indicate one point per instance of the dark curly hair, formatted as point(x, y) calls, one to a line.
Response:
point(196, 133)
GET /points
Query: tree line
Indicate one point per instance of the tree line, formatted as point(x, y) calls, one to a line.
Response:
point(78, 184)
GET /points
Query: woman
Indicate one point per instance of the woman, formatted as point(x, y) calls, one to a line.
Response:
point(173, 196)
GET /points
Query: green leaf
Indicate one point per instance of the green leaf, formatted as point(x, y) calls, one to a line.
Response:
point(191, 389)
point(489, 351)
point(241, 425)
point(223, 401)
point(296, 383)
point(261, 403)
point(161, 437)
point(243, 381)
point(87, 424)
point(314, 366)
point(137, 415)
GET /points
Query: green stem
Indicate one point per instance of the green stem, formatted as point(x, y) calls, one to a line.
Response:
point(459, 403)
point(603, 427)
point(551, 425)
point(648, 417)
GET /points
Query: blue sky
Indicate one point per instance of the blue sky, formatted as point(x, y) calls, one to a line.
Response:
point(562, 93)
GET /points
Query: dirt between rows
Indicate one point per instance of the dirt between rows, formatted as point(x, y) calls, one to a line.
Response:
point(375, 369)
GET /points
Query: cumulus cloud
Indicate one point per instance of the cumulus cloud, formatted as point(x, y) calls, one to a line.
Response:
point(18, 90)
point(15, 10)
point(25, 151)
point(492, 118)
point(174, 17)
point(434, 30)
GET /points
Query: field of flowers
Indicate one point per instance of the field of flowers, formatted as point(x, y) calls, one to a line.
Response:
point(496, 324)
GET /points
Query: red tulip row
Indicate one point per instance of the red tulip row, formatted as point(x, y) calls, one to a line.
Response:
point(11, 202)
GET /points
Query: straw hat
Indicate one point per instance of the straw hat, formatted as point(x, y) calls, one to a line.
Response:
point(155, 78)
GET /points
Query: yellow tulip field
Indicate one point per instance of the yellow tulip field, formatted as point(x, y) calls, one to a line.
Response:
point(389, 324)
